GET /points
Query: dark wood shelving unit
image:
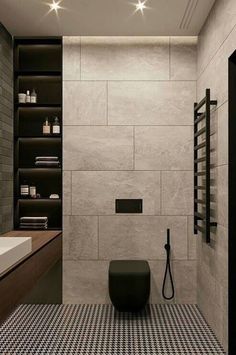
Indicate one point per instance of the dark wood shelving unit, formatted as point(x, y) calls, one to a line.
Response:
point(38, 65)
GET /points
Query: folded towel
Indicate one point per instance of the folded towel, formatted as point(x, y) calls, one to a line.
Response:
point(33, 227)
point(33, 224)
point(53, 158)
point(33, 219)
point(47, 163)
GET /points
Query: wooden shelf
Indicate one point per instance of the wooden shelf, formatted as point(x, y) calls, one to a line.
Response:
point(37, 73)
point(39, 169)
point(34, 200)
point(36, 137)
point(31, 105)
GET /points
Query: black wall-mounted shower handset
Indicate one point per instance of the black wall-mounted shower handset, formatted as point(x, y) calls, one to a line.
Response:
point(168, 269)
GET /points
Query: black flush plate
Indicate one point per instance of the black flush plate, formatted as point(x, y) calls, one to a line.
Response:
point(129, 206)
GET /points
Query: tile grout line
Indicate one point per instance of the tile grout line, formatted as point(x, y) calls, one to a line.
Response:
point(107, 102)
point(134, 148)
point(213, 55)
point(71, 193)
point(161, 192)
point(98, 238)
point(187, 237)
point(167, 80)
point(80, 52)
point(126, 125)
point(132, 215)
point(130, 170)
point(169, 58)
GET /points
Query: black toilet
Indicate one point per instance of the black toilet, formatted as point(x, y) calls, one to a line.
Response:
point(129, 284)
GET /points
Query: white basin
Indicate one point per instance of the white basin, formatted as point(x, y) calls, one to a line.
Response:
point(12, 249)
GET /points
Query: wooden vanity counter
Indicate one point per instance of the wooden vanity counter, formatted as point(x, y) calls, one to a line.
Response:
point(36, 278)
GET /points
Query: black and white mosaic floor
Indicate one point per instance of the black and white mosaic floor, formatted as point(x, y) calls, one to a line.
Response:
point(98, 329)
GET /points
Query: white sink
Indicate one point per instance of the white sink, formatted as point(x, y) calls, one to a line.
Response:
point(12, 249)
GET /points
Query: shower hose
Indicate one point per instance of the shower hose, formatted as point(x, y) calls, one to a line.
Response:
point(168, 270)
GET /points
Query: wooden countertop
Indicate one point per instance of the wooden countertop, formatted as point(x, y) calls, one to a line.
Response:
point(39, 240)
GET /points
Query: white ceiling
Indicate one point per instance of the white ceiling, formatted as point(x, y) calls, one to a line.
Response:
point(104, 17)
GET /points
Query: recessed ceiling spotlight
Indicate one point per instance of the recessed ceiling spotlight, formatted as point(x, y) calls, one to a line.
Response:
point(140, 6)
point(55, 6)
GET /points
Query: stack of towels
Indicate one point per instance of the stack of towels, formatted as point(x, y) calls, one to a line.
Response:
point(34, 222)
point(47, 162)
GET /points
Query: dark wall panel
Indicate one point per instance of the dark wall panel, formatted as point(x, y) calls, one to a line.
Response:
point(6, 130)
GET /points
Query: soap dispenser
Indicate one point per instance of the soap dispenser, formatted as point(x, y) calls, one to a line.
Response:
point(28, 100)
point(46, 127)
point(33, 97)
point(56, 129)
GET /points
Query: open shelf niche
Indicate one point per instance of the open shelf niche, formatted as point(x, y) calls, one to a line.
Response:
point(37, 65)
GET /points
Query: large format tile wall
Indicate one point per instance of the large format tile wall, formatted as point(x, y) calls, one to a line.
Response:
point(6, 131)
point(217, 41)
point(128, 114)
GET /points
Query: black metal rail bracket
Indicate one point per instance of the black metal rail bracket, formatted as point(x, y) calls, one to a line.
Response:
point(204, 131)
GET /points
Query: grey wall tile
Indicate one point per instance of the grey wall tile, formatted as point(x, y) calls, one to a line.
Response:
point(94, 192)
point(71, 58)
point(85, 282)
point(85, 103)
point(207, 42)
point(222, 147)
point(192, 240)
point(206, 80)
point(80, 236)
point(98, 148)
point(183, 58)
point(67, 192)
point(157, 274)
point(225, 19)
point(124, 237)
point(124, 58)
point(151, 103)
point(185, 279)
point(164, 148)
point(177, 192)
point(222, 195)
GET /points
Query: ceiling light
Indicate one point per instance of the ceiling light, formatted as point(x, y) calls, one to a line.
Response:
point(140, 6)
point(55, 6)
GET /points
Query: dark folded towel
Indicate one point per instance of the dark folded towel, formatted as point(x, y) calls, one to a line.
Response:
point(47, 163)
point(33, 227)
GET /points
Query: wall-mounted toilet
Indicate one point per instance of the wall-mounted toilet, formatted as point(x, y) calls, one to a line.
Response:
point(129, 284)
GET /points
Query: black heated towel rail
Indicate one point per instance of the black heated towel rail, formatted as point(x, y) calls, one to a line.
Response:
point(202, 166)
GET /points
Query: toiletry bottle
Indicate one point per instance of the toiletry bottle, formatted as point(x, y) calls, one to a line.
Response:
point(32, 190)
point(56, 129)
point(33, 97)
point(28, 99)
point(46, 127)
point(24, 189)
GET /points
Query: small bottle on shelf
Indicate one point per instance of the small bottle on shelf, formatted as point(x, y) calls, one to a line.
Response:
point(28, 98)
point(33, 97)
point(46, 127)
point(56, 129)
point(32, 191)
point(24, 189)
